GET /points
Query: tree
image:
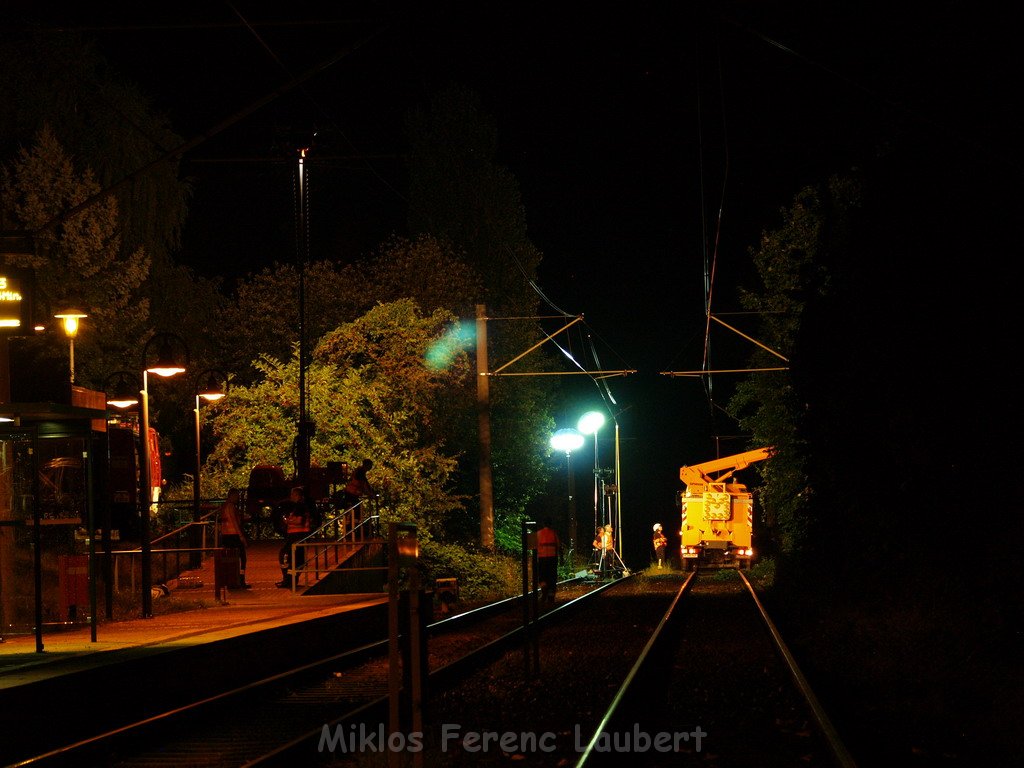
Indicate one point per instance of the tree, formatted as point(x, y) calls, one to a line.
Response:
point(78, 259)
point(272, 296)
point(107, 128)
point(770, 406)
point(108, 125)
point(425, 270)
point(460, 194)
point(374, 385)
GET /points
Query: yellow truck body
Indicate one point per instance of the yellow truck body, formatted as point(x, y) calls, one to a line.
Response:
point(717, 512)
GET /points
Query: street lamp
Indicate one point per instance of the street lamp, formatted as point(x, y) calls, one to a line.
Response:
point(569, 440)
point(213, 388)
point(69, 319)
point(589, 424)
point(167, 364)
point(122, 389)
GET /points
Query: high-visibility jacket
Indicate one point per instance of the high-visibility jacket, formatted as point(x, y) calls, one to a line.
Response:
point(547, 542)
point(358, 485)
point(297, 522)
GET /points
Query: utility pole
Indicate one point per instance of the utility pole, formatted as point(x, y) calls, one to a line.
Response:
point(483, 409)
point(302, 452)
point(483, 406)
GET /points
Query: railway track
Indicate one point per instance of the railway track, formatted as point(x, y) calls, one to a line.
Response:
point(651, 669)
point(252, 722)
point(717, 683)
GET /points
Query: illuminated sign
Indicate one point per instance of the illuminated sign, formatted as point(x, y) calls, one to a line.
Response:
point(15, 301)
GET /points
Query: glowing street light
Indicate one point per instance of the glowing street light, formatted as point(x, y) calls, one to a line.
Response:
point(569, 440)
point(69, 319)
point(122, 389)
point(167, 364)
point(589, 424)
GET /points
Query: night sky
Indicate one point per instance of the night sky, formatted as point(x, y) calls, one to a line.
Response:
point(632, 134)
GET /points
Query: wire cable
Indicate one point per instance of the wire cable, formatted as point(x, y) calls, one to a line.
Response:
point(318, 106)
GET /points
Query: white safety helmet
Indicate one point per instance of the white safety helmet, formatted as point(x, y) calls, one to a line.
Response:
point(657, 526)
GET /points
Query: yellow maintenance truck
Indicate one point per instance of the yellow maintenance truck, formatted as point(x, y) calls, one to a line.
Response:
point(717, 512)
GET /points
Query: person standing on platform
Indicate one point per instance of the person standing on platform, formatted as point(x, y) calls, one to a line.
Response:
point(358, 486)
point(231, 534)
point(548, 545)
point(297, 521)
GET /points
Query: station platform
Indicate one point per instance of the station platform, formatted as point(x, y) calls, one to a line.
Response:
point(188, 616)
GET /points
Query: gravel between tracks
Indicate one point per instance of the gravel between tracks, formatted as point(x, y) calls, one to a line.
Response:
point(547, 716)
point(579, 672)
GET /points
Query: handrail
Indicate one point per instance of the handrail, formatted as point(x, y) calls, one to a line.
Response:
point(177, 553)
point(195, 553)
point(182, 528)
point(354, 535)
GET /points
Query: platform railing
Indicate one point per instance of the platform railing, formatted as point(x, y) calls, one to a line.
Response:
point(334, 542)
point(190, 543)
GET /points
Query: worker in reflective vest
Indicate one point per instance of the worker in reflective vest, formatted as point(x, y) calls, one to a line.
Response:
point(231, 534)
point(548, 545)
point(297, 526)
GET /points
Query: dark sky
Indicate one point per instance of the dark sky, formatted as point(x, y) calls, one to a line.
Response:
point(629, 130)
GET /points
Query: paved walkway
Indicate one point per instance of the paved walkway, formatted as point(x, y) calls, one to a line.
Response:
point(207, 618)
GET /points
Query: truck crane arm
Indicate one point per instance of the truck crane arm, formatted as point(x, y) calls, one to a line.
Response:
point(700, 473)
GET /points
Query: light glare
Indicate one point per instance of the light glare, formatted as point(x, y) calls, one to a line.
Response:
point(567, 440)
point(590, 422)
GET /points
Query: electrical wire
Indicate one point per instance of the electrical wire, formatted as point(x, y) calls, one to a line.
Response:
point(319, 107)
point(710, 270)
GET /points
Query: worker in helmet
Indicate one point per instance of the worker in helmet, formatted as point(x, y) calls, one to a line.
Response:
point(659, 542)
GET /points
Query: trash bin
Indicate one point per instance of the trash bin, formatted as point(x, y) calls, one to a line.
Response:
point(73, 575)
point(446, 592)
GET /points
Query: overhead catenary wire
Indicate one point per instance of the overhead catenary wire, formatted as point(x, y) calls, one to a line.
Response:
point(208, 134)
point(317, 105)
point(711, 264)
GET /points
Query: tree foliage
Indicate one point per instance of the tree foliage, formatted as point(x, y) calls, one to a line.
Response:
point(461, 194)
point(263, 317)
point(373, 385)
point(110, 133)
point(770, 406)
point(79, 258)
point(425, 270)
point(110, 126)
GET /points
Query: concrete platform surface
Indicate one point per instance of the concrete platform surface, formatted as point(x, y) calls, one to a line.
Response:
point(205, 618)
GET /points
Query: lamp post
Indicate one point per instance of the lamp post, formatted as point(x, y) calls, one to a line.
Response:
point(167, 364)
point(122, 392)
point(569, 440)
point(589, 424)
point(209, 387)
point(70, 318)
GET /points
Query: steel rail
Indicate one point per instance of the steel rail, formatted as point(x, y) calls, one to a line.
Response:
point(830, 735)
point(835, 743)
point(635, 670)
point(289, 753)
point(73, 753)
